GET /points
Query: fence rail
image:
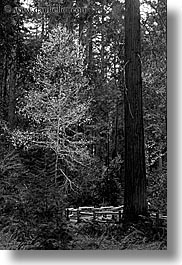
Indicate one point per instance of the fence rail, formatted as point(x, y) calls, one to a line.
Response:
point(103, 214)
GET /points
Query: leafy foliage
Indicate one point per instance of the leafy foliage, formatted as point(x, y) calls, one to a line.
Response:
point(157, 191)
point(154, 79)
point(56, 105)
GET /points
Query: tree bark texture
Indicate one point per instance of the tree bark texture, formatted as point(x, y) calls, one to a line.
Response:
point(8, 44)
point(135, 175)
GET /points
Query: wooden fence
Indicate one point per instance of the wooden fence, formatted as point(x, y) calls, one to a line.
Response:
point(103, 214)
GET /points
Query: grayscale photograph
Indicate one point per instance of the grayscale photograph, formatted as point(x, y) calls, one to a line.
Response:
point(83, 125)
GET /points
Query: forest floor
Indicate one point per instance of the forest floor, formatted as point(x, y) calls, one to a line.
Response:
point(97, 236)
point(94, 236)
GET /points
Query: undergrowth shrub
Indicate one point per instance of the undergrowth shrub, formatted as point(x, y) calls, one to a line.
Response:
point(142, 235)
point(157, 190)
point(31, 206)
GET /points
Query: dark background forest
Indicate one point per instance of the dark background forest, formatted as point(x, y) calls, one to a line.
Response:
point(63, 122)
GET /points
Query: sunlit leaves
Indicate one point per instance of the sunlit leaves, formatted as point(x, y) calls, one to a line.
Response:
point(57, 103)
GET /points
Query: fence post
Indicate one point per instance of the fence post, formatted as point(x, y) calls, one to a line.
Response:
point(119, 213)
point(157, 218)
point(94, 215)
point(78, 216)
point(114, 218)
point(67, 214)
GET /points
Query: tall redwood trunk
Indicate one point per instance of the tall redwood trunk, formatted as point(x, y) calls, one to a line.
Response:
point(135, 175)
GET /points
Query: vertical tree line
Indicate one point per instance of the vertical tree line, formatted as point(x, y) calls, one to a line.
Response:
point(135, 174)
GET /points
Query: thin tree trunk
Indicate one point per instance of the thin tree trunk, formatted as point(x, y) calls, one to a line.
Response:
point(3, 85)
point(102, 44)
point(43, 27)
point(89, 60)
point(108, 143)
point(81, 24)
point(115, 143)
point(11, 87)
point(12, 97)
point(115, 140)
point(135, 175)
point(89, 44)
